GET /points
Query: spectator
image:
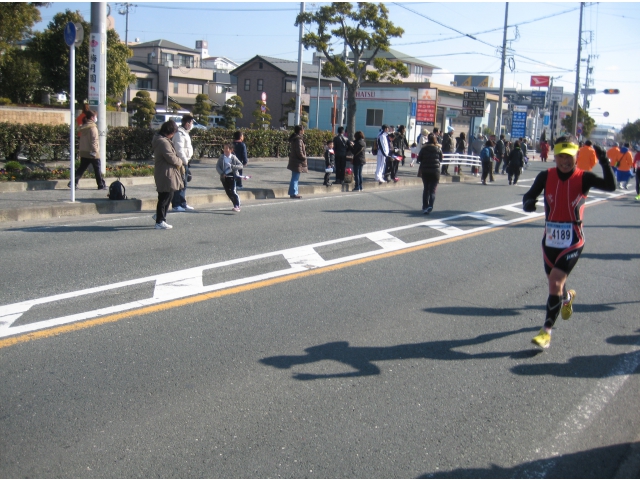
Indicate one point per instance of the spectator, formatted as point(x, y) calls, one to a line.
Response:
point(586, 157)
point(89, 151)
point(391, 162)
point(461, 149)
point(359, 159)
point(500, 153)
point(329, 162)
point(400, 142)
point(636, 167)
point(447, 147)
point(515, 163)
point(168, 171)
point(297, 160)
point(429, 159)
point(383, 153)
point(240, 151)
point(228, 167)
point(544, 151)
point(340, 147)
point(486, 156)
point(182, 143)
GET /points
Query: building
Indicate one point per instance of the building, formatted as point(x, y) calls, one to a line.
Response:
point(277, 78)
point(168, 71)
point(604, 135)
point(419, 71)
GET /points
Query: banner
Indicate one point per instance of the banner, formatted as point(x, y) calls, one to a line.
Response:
point(539, 81)
point(427, 106)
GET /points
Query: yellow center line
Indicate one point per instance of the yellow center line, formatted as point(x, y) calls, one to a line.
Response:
point(54, 331)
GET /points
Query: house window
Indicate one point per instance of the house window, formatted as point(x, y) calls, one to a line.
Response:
point(290, 86)
point(150, 57)
point(194, 88)
point(374, 117)
point(185, 60)
point(166, 57)
point(247, 84)
point(417, 70)
point(260, 65)
point(175, 87)
point(260, 84)
point(143, 84)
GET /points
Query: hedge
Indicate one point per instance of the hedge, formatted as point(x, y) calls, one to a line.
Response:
point(45, 143)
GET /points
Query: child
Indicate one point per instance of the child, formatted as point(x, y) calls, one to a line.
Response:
point(228, 166)
point(414, 152)
point(329, 162)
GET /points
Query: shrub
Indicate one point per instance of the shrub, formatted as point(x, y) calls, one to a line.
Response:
point(5, 101)
point(13, 166)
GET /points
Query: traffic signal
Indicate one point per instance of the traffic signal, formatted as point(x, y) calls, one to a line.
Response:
point(612, 91)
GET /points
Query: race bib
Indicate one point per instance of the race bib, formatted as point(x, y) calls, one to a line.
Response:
point(559, 235)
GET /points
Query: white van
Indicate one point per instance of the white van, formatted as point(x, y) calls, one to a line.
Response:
point(215, 121)
point(159, 118)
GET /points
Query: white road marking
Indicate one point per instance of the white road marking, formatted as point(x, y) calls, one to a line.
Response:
point(188, 282)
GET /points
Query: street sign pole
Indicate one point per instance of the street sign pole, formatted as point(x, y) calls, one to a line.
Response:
point(73, 35)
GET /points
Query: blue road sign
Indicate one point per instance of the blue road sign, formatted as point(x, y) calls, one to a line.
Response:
point(518, 124)
point(70, 33)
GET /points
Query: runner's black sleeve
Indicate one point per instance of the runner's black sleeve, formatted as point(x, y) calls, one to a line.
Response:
point(531, 197)
point(591, 180)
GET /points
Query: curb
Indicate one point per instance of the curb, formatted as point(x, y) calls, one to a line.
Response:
point(106, 206)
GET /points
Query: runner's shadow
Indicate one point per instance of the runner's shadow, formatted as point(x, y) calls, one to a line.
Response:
point(362, 359)
point(481, 311)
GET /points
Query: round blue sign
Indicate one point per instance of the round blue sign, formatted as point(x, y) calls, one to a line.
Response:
point(70, 33)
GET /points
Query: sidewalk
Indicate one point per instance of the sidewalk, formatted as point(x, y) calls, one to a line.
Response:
point(21, 201)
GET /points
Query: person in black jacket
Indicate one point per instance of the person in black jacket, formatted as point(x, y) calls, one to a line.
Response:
point(340, 147)
point(358, 149)
point(429, 159)
point(329, 162)
point(447, 147)
point(400, 142)
point(500, 153)
point(515, 163)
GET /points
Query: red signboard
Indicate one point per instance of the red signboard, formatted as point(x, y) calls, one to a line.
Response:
point(427, 106)
point(539, 81)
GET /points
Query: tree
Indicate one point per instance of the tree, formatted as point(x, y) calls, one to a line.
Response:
point(588, 123)
point(290, 106)
point(52, 53)
point(631, 132)
point(263, 118)
point(20, 76)
point(144, 107)
point(119, 75)
point(202, 108)
point(366, 30)
point(231, 110)
point(16, 20)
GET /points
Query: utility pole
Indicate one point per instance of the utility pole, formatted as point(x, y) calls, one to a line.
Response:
point(299, 81)
point(318, 96)
point(344, 57)
point(577, 92)
point(125, 11)
point(504, 56)
point(98, 74)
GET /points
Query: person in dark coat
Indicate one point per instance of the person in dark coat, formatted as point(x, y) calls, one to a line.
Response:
point(168, 171)
point(340, 148)
point(358, 149)
point(429, 159)
point(515, 163)
point(329, 162)
point(240, 151)
point(297, 160)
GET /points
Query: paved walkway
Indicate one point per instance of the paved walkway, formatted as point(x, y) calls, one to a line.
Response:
point(20, 201)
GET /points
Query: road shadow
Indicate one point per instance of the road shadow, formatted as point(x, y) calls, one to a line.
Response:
point(603, 462)
point(591, 366)
point(362, 359)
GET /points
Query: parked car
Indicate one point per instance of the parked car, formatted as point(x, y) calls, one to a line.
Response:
point(215, 121)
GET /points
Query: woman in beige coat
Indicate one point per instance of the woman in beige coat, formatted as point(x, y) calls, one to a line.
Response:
point(168, 171)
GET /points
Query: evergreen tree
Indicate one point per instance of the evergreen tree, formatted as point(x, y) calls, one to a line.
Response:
point(231, 110)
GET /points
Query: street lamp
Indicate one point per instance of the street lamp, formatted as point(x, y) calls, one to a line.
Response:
point(318, 96)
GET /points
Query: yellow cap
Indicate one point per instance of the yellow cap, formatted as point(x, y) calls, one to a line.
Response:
point(566, 148)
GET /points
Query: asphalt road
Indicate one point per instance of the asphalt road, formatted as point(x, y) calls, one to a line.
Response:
point(381, 359)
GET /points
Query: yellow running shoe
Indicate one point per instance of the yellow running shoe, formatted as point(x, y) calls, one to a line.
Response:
point(543, 339)
point(567, 308)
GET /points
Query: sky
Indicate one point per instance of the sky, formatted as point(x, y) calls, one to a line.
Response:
point(542, 39)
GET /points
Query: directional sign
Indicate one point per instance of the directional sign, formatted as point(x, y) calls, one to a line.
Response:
point(556, 94)
point(518, 124)
point(473, 112)
point(538, 98)
point(73, 34)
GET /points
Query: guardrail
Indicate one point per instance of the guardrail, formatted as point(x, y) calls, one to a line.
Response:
point(457, 159)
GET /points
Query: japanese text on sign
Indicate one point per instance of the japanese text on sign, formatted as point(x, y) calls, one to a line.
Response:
point(427, 106)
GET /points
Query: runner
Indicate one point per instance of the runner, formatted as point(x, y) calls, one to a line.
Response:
point(565, 191)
